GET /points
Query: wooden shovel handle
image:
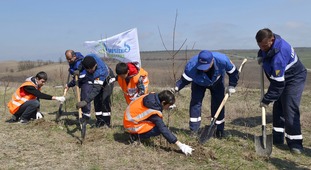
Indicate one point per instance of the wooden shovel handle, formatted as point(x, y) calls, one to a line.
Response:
point(78, 95)
point(262, 90)
point(221, 105)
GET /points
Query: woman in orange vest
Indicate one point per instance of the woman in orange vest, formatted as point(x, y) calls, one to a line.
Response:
point(143, 118)
point(132, 80)
point(25, 101)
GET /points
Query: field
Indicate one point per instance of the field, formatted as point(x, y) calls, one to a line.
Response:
point(45, 144)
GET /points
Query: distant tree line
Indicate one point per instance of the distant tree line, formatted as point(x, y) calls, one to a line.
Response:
point(26, 65)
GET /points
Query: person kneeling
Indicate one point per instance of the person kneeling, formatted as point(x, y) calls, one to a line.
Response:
point(143, 118)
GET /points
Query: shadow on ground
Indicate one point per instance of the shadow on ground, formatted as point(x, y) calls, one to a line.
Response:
point(251, 121)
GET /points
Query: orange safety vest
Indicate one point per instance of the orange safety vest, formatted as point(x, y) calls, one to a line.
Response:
point(131, 89)
point(135, 115)
point(20, 96)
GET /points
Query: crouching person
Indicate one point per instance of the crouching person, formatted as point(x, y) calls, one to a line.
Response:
point(143, 118)
point(25, 101)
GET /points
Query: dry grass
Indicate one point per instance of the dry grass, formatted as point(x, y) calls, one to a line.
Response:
point(45, 144)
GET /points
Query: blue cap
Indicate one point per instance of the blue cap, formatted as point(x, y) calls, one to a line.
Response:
point(204, 60)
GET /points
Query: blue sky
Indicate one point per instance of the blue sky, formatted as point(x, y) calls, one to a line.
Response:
point(42, 29)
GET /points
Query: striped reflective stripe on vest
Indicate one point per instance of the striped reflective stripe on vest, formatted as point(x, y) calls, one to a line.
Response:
point(139, 116)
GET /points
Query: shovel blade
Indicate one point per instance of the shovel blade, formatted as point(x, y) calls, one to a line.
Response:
point(262, 150)
point(207, 133)
point(83, 129)
point(59, 113)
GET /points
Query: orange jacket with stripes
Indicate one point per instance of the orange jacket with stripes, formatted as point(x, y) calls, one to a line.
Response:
point(20, 96)
point(130, 89)
point(136, 115)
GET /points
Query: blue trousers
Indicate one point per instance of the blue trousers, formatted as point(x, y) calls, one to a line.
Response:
point(85, 89)
point(286, 114)
point(102, 102)
point(153, 132)
point(28, 110)
point(217, 91)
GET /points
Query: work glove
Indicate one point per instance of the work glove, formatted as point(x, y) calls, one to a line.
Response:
point(135, 96)
point(263, 105)
point(174, 90)
point(76, 73)
point(81, 104)
point(60, 99)
point(173, 106)
point(186, 149)
point(111, 80)
point(230, 90)
point(39, 115)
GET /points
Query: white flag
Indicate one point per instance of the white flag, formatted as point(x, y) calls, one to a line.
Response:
point(123, 47)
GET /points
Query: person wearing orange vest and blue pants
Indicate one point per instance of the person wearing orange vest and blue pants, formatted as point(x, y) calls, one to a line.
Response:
point(132, 80)
point(143, 118)
point(25, 102)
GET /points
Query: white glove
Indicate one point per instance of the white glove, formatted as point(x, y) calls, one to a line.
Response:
point(172, 107)
point(231, 90)
point(60, 99)
point(111, 80)
point(135, 96)
point(186, 149)
point(39, 115)
point(174, 90)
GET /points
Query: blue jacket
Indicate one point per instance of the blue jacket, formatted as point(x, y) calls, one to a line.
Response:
point(98, 78)
point(280, 64)
point(152, 101)
point(222, 64)
point(75, 66)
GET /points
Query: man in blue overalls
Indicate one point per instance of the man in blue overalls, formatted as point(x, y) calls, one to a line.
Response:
point(287, 77)
point(207, 71)
point(74, 60)
point(101, 78)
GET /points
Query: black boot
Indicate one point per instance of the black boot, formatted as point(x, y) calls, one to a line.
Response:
point(99, 121)
point(13, 119)
point(278, 138)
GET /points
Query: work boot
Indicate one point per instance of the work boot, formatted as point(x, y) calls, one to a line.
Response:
point(296, 151)
point(134, 139)
point(23, 121)
point(13, 119)
point(278, 138)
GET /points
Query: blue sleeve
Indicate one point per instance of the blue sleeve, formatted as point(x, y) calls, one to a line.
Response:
point(274, 91)
point(233, 78)
point(168, 135)
point(181, 83)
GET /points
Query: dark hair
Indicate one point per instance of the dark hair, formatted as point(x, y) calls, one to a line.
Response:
point(42, 75)
point(166, 96)
point(88, 62)
point(263, 33)
point(121, 68)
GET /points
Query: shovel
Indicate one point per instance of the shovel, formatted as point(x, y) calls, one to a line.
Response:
point(81, 121)
point(60, 112)
point(209, 131)
point(263, 144)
